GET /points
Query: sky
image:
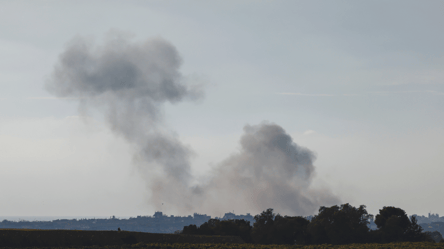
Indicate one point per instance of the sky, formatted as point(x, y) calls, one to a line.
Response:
point(358, 84)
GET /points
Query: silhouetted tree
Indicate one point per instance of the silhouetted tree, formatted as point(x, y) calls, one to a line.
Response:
point(270, 228)
point(208, 227)
point(191, 229)
point(290, 230)
point(339, 225)
point(239, 228)
point(414, 231)
point(434, 236)
point(394, 225)
point(261, 232)
point(343, 224)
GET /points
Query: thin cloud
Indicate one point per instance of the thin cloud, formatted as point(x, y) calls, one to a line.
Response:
point(353, 94)
point(308, 94)
point(393, 92)
point(427, 91)
point(53, 98)
point(309, 132)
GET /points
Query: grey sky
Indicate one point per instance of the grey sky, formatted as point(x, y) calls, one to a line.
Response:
point(361, 84)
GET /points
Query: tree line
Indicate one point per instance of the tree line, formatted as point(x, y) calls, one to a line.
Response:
point(336, 225)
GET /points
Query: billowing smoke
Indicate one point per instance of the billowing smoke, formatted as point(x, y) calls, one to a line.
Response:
point(270, 170)
point(129, 82)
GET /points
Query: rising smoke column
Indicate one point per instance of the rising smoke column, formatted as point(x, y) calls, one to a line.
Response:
point(129, 83)
point(270, 170)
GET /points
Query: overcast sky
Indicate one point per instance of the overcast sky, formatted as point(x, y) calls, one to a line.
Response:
point(359, 83)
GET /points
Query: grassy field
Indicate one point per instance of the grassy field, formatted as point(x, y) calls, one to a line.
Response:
point(251, 246)
point(61, 238)
point(27, 238)
point(404, 245)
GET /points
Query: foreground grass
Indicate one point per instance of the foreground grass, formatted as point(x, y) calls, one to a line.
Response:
point(113, 239)
point(64, 239)
point(251, 246)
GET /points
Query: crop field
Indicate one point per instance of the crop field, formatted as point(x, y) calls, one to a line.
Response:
point(28, 238)
point(403, 245)
point(62, 238)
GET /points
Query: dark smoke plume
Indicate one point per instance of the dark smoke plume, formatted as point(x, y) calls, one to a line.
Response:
point(129, 83)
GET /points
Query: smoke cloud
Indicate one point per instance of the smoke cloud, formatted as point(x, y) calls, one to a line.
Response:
point(129, 82)
point(270, 170)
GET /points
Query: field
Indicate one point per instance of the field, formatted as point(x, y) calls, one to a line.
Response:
point(405, 245)
point(26, 238)
point(61, 238)
point(252, 246)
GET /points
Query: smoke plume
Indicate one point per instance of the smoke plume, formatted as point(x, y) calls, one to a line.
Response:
point(270, 170)
point(129, 82)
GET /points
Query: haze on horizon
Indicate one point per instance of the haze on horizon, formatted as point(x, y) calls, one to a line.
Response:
point(349, 92)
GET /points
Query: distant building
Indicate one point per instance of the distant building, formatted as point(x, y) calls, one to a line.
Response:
point(429, 219)
point(158, 223)
point(158, 215)
point(232, 216)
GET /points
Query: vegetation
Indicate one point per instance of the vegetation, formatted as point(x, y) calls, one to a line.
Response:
point(63, 238)
point(342, 227)
point(395, 225)
point(436, 236)
point(399, 245)
point(337, 225)
point(275, 229)
point(239, 228)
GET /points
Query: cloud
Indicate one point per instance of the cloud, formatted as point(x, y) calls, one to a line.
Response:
point(72, 117)
point(412, 91)
point(306, 94)
point(371, 92)
point(51, 98)
point(309, 132)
